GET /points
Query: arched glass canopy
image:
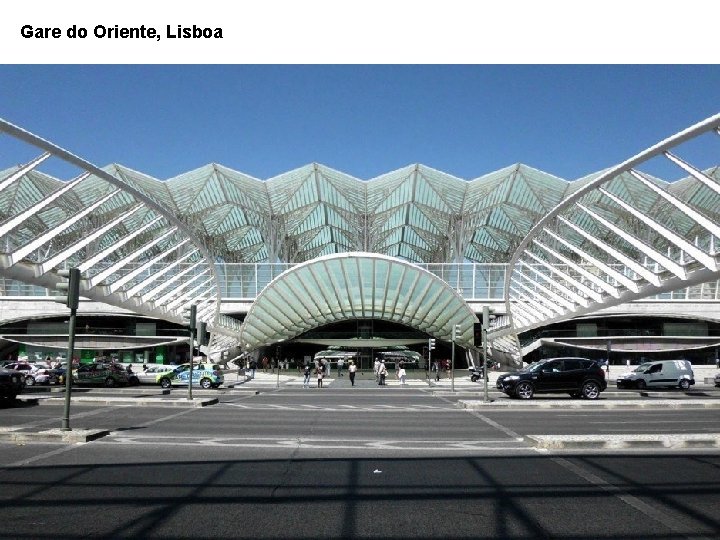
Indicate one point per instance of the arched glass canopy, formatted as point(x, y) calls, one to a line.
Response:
point(356, 286)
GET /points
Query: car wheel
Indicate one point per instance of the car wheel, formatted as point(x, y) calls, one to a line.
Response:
point(29, 380)
point(524, 390)
point(641, 385)
point(109, 382)
point(165, 382)
point(590, 390)
point(206, 383)
point(473, 378)
point(685, 384)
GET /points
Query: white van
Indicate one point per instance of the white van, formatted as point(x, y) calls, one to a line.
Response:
point(660, 374)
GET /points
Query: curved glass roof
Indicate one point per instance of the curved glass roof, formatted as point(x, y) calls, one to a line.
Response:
point(355, 286)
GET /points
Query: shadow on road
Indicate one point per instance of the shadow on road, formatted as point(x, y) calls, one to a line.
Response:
point(613, 497)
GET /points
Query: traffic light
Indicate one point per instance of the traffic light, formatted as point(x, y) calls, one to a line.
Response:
point(202, 336)
point(190, 315)
point(431, 344)
point(477, 334)
point(456, 331)
point(71, 288)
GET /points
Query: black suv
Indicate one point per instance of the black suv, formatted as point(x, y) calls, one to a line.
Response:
point(579, 377)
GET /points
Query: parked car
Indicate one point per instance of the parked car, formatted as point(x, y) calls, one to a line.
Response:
point(32, 373)
point(579, 377)
point(40, 374)
point(206, 375)
point(98, 373)
point(660, 374)
point(149, 375)
point(717, 379)
point(11, 383)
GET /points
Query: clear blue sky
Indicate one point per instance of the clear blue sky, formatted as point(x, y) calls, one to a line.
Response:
point(363, 120)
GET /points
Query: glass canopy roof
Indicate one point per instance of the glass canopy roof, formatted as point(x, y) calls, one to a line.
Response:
point(334, 288)
point(416, 213)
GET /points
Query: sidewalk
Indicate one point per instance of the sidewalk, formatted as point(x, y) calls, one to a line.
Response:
point(416, 379)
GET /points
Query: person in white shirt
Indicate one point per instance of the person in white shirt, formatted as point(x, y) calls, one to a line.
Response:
point(401, 375)
point(376, 369)
point(352, 368)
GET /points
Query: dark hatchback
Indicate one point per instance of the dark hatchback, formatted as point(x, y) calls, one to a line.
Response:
point(579, 377)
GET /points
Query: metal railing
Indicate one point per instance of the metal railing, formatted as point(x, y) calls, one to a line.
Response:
point(475, 282)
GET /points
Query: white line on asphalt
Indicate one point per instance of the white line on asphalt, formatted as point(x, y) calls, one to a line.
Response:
point(319, 443)
point(342, 408)
point(649, 511)
point(44, 456)
point(494, 424)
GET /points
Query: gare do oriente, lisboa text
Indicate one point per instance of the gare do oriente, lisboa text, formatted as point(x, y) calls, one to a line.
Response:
point(121, 32)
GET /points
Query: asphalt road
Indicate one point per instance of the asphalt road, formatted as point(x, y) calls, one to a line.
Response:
point(377, 463)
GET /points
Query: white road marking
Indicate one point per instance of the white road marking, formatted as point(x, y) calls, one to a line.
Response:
point(494, 424)
point(320, 443)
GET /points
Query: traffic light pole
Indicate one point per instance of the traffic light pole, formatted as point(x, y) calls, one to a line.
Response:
point(71, 300)
point(452, 359)
point(486, 366)
point(431, 346)
point(68, 371)
point(192, 325)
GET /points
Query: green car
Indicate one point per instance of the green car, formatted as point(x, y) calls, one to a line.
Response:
point(100, 374)
point(205, 375)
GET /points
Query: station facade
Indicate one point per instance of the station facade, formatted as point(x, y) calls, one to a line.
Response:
point(315, 258)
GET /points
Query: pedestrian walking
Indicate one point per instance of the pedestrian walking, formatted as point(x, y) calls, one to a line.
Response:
point(402, 375)
point(382, 373)
point(352, 368)
point(341, 363)
point(306, 375)
point(436, 369)
point(320, 373)
point(376, 369)
point(253, 367)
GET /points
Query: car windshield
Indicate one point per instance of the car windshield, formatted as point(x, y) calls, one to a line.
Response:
point(534, 367)
point(642, 367)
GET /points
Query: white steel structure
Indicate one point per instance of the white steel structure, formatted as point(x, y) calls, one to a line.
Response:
point(116, 235)
point(154, 247)
point(621, 237)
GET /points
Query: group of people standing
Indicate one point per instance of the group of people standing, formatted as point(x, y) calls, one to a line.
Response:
point(322, 369)
point(381, 372)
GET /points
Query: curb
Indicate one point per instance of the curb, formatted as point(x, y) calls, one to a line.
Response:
point(624, 442)
point(585, 404)
point(148, 402)
point(52, 435)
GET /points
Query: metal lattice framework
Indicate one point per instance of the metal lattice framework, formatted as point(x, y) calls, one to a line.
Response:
point(132, 252)
point(619, 237)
